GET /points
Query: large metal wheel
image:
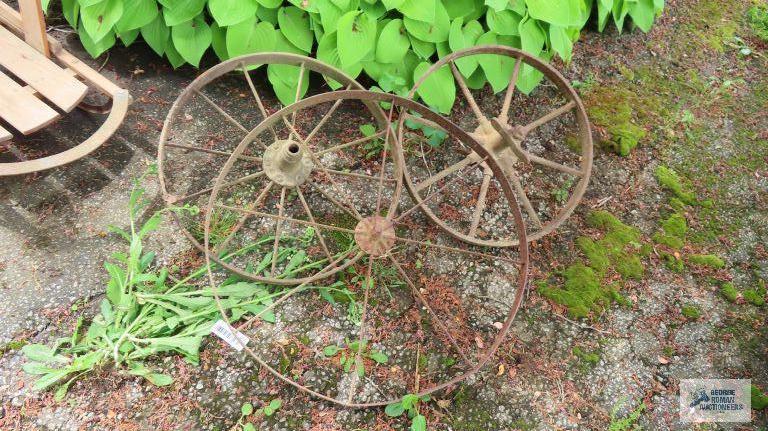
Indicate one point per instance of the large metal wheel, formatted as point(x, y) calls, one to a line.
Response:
point(542, 141)
point(205, 124)
point(423, 311)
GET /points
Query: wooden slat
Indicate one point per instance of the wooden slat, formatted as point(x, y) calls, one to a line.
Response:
point(5, 135)
point(25, 112)
point(34, 25)
point(39, 72)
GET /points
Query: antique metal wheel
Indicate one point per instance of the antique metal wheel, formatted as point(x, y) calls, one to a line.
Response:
point(208, 120)
point(415, 310)
point(541, 140)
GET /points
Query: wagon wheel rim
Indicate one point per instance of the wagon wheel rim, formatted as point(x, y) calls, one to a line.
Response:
point(510, 137)
point(236, 66)
point(372, 249)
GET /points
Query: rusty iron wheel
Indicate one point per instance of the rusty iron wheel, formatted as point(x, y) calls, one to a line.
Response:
point(545, 151)
point(204, 125)
point(417, 291)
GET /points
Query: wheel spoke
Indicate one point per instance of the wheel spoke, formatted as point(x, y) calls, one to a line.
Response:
point(429, 123)
point(322, 168)
point(350, 143)
point(555, 165)
point(481, 199)
point(384, 161)
point(244, 217)
point(278, 231)
point(325, 118)
point(256, 96)
point(445, 172)
point(302, 71)
point(436, 319)
point(523, 196)
point(356, 175)
point(312, 219)
point(504, 115)
point(223, 186)
point(468, 94)
point(548, 117)
point(453, 249)
point(432, 195)
point(221, 111)
point(289, 219)
point(216, 152)
point(334, 200)
point(300, 287)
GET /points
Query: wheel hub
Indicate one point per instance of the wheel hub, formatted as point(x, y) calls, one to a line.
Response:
point(287, 163)
point(375, 235)
point(491, 140)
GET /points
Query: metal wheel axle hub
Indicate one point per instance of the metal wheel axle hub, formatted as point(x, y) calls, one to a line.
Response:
point(287, 163)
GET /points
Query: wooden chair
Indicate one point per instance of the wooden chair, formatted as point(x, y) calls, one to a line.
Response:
point(54, 83)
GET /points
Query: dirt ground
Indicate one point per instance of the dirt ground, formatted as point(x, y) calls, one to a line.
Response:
point(700, 102)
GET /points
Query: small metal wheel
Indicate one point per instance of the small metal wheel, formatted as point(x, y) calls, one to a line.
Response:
point(540, 138)
point(413, 311)
point(209, 119)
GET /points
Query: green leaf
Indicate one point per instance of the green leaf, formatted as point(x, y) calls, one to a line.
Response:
point(375, 10)
point(268, 15)
point(461, 37)
point(327, 52)
point(37, 368)
point(95, 49)
point(561, 43)
point(329, 15)
point(249, 427)
point(246, 409)
point(392, 4)
point(128, 37)
point(99, 18)
point(394, 410)
point(139, 14)
point(285, 78)
point(497, 5)
point(191, 39)
point(270, 4)
point(61, 392)
point(356, 37)
point(250, 36)
point(393, 43)
point(378, 356)
point(433, 31)
point(604, 8)
point(643, 12)
point(50, 379)
point(219, 41)
point(532, 38)
point(423, 49)
point(41, 353)
point(419, 423)
point(275, 404)
point(176, 12)
point(620, 11)
point(230, 12)
point(439, 89)
point(459, 8)
point(294, 24)
point(156, 34)
point(420, 10)
point(71, 11)
point(158, 379)
point(331, 350)
point(504, 22)
point(498, 68)
point(565, 13)
point(185, 345)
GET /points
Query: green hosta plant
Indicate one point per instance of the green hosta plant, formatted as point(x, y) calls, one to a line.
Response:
point(391, 41)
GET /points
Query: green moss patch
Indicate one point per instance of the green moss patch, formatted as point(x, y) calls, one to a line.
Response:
point(588, 358)
point(758, 20)
point(729, 292)
point(669, 180)
point(708, 260)
point(755, 296)
point(759, 399)
point(673, 232)
point(611, 110)
point(690, 312)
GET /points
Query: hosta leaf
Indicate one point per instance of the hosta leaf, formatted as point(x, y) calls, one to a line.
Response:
point(250, 36)
point(173, 56)
point(604, 8)
point(270, 4)
point(565, 13)
point(95, 49)
point(620, 11)
point(156, 34)
point(375, 10)
point(219, 41)
point(421, 48)
point(356, 37)
point(329, 15)
point(285, 78)
point(99, 18)
point(307, 5)
point(477, 80)
point(642, 13)
point(504, 22)
point(393, 42)
point(294, 24)
point(420, 10)
point(461, 37)
point(459, 8)
point(176, 12)
point(392, 4)
point(497, 68)
point(561, 42)
point(138, 14)
point(532, 38)
point(128, 36)
point(327, 52)
point(438, 90)
point(497, 5)
point(229, 12)
point(71, 11)
point(434, 31)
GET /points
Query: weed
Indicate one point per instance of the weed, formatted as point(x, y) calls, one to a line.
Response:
point(628, 423)
point(353, 353)
point(759, 399)
point(589, 358)
point(758, 20)
point(690, 312)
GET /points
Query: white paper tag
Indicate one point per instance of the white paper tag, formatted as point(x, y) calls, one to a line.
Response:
point(231, 336)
